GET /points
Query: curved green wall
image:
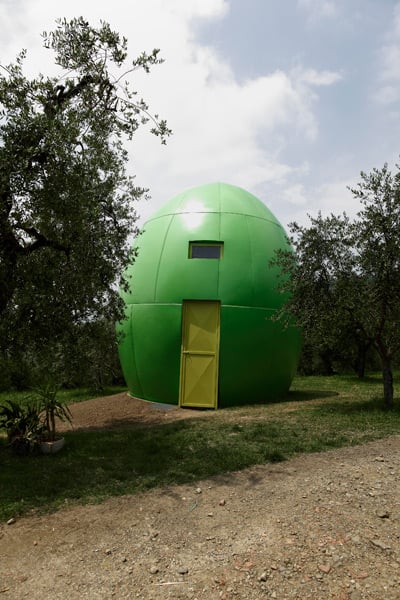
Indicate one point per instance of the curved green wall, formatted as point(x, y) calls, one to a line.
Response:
point(257, 358)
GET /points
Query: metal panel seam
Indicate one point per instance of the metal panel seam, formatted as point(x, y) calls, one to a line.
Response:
point(134, 351)
point(160, 258)
point(154, 304)
point(219, 236)
point(214, 212)
point(251, 258)
point(248, 307)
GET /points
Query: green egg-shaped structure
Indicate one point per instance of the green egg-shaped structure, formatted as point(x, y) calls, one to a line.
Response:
point(198, 330)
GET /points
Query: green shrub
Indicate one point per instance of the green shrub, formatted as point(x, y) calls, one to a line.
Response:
point(23, 425)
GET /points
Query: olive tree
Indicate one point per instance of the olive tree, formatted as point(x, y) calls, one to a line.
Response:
point(67, 202)
point(344, 276)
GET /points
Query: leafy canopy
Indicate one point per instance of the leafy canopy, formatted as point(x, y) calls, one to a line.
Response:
point(67, 203)
point(344, 278)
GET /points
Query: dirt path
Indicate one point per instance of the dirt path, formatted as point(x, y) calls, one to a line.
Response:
point(319, 526)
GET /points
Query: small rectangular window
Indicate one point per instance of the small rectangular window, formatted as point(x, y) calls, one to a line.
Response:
point(205, 249)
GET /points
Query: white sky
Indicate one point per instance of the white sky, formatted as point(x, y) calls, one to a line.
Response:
point(288, 99)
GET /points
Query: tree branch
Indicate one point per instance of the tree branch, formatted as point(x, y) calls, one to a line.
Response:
point(41, 241)
point(62, 94)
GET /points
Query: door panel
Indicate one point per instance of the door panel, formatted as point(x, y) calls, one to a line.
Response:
point(199, 354)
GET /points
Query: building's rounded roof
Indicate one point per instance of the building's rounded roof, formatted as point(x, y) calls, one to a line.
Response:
point(220, 198)
point(217, 212)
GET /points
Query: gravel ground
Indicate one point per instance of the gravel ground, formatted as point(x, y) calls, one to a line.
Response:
point(319, 526)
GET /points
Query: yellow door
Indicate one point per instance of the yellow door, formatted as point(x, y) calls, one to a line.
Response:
point(199, 354)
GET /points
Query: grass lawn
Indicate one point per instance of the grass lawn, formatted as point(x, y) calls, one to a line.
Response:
point(318, 413)
point(76, 395)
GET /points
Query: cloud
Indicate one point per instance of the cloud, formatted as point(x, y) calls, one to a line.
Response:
point(318, 9)
point(388, 91)
point(224, 129)
point(295, 195)
point(319, 78)
point(300, 202)
point(391, 60)
point(199, 9)
point(387, 94)
point(335, 197)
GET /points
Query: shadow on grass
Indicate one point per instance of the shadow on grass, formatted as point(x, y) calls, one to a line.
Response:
point(370, 378)
point(291, 396)
point(140, 423)
point(307, 395)
point(98, 464)
point(373, 405)
point(95, 465)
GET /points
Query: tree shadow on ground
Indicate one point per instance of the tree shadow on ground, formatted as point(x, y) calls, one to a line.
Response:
point(372, 405)
point(307, 395)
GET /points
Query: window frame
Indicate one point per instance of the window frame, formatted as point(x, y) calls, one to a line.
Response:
point(206, 244)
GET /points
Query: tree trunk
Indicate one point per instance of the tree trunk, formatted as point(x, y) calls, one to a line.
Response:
point(327, 362)
point(361, 361)
point(7, 280)
point(9, 249)
point(387, 376)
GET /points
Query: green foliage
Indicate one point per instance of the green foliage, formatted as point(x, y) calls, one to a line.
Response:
point(67, 203)
point(23, 425)
point(88, 357)
point(68, 396)
point(319, 414)
point(93, 361)
point(52, 408)
point(344, 279)
point(32, 419)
